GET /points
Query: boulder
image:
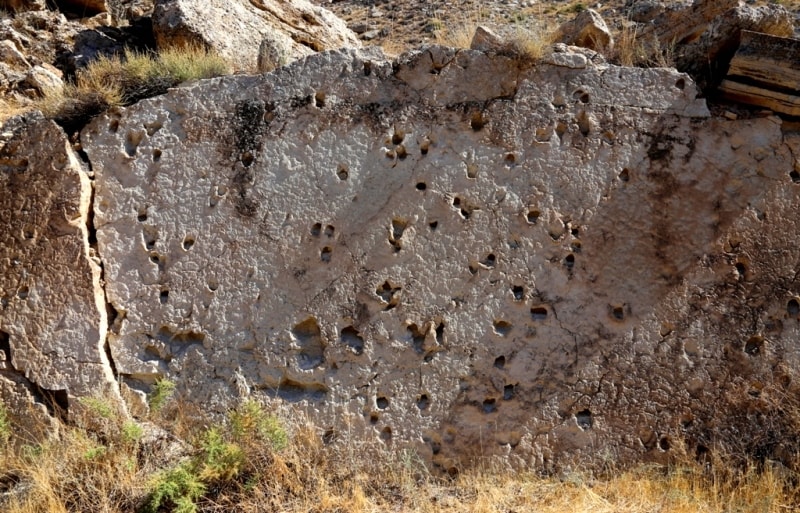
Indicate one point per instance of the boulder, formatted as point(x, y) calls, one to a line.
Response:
point(702, 37)
point(236, 28)
point(765, 72)
point(53, 316)
point(588, 30)
point(450, 250)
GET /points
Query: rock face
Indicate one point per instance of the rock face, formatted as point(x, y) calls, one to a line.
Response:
point(766, 72)
point(459, 252)
point(236, 28)
point(52, 307)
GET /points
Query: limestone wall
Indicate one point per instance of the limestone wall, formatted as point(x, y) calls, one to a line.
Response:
point(455, 251)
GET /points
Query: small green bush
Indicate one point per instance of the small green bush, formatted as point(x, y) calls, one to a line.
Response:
point(161, 393)
point(98, 406)
point(131, 432)
point(178, 487)
point(5, 425)
point(250, 422)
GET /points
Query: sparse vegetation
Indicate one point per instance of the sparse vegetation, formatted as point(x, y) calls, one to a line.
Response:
point(526, 41)
point(161, 393)
point(631, 49)
point(251, 460)
point(124, 80)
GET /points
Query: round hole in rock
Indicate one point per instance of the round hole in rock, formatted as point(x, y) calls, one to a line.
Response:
point(663, 444)
point(386, 434)
point(510, 158)
point(155, 259)
point(569, 261)
point(212, 284)
point(247, 159)
point(456, 201)
point(518, 291)
point(581, 95)
point(533, 216)
point(113, 126)
point(539, 313)
point(793, 307)
point(584, 419)
point(625, 175)
point(433, 225)
point(188, 242)
point(795, 176)
point(618, 313)
point(342, 172)
point(330, 230)
point(680, 83)
point(489, 405)
point(398, 137)
point(319, 100)
point(325, 254)
point(491, 260)
point(374, 418)
point(142, 217)
point(423, 402)
point(401, 152)
point(477, 122)
point(316, 229)
point(163, 297)
point(508, 392)
point(502, 328)
point(23, 292)
point(500, 362)
point(421, 186)
point(382, 403)
point(156, 155)
point(754, 345)
point(741, 270)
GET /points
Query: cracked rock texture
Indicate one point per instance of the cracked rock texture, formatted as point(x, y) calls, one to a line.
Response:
point(559, 263)
point(52, 308)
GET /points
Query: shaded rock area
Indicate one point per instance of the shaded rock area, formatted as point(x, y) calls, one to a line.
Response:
point(53, 317)
point(458, 252)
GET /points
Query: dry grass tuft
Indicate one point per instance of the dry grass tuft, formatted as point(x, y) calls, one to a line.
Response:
point(631, 49)
point(527, 40)
point(124, 80)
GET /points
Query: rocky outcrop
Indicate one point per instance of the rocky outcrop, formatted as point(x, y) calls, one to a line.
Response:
point(53, 317)
point(236, 28)
point(765, 72)
point(588, 30)
point(702, 37)
point(457, 251)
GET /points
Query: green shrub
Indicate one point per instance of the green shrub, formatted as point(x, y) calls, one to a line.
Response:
point(250, 422)
point(98, 406)
point(131, 432)
point(221, 460)
point(5, 425)
point(178, 487)
point(161, 393)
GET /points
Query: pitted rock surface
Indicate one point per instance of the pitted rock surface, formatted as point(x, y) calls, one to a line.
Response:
point(457, 251)
point(52, 308)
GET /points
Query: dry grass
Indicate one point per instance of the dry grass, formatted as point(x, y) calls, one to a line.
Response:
point(253, 461)
point(527, 40)
point(631, 49)
point(124, 80)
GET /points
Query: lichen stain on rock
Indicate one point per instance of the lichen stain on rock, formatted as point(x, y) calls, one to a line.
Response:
point(248, 128)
